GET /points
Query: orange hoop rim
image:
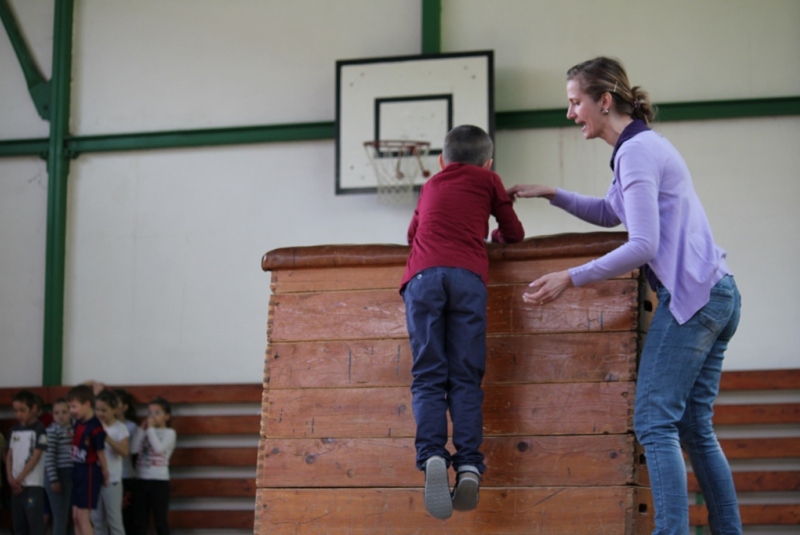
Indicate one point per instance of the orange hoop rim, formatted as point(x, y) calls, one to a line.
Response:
point(397, 144)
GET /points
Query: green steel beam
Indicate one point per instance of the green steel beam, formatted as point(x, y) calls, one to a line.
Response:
point(38, 87)
point(515, 120)
point(728, 109)
point(25, 147)
point(668, 112)
point(431, 26)
point(197, 138)
point(58, 172)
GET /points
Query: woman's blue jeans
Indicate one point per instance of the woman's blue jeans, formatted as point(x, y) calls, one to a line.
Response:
point(446, 318)
point(678, 382)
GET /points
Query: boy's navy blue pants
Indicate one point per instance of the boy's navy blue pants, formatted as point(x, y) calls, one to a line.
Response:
point(446, 319)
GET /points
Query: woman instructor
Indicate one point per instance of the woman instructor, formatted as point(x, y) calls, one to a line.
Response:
point(698, 303)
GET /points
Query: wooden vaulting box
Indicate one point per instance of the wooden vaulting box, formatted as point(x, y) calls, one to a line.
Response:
point(336, 454)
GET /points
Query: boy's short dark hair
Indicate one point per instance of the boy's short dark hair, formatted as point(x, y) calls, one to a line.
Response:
point(38, 401)
point(81, 394)
point(25, 396)
point(467, 144)
point(60, 400)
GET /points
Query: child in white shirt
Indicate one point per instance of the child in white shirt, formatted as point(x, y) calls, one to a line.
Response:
point(25, 462)
point(107, 517)
point(154, 447)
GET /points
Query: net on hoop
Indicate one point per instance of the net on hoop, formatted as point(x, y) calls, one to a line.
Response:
point(397, 164)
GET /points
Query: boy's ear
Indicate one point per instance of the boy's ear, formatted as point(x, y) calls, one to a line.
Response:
point(488, 164)
point(441, 161)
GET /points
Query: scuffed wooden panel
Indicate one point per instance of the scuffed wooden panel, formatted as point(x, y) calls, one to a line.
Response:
point(546, 358)
point(389, 277)
point(596, 460)
point(605, 306)
point(558, 408)
point(338, 279)
point(397, 511)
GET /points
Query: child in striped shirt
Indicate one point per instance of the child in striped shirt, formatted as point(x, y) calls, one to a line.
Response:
point(58, 464)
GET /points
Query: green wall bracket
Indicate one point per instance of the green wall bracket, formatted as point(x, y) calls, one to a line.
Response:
point(431, 26)
point(38, 87)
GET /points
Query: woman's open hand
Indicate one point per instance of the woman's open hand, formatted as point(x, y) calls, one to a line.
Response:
point(547, 288)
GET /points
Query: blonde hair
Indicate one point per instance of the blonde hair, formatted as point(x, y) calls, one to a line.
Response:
point(605, 75)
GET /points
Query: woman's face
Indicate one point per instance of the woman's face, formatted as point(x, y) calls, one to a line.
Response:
point(584, 111)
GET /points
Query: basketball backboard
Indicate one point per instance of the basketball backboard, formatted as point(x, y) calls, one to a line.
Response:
point(416, 98)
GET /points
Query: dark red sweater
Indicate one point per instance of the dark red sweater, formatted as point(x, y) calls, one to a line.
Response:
point(451, 221)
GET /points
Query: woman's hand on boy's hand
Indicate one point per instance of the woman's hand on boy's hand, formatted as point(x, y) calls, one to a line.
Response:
point(531, 190)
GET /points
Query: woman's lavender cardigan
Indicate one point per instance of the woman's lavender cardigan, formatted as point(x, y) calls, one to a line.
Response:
point(653, 196)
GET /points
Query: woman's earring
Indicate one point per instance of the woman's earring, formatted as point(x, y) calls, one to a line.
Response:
point(605, 112)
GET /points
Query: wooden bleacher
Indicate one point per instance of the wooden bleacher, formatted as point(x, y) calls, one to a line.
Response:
point(748, 418)
point(194, 428)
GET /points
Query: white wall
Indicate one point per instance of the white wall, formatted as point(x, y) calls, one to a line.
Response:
point(23, 222)
point(156, 65)
point(678, 50)
point(163, 265)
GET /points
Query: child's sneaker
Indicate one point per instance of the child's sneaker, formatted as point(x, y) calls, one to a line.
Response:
point(465, 494)
point(437, 488)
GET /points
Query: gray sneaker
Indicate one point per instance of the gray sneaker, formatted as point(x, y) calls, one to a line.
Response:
point(465, 495)
point(437, 488)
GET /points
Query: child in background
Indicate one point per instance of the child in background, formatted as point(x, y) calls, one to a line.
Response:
point(89, 468)
point(107, 517)
point(58, 466)
point(154, 446)
point(126, 413)
point(28, 443)
point(444, 290)
point(3, 446)
point(46, 418)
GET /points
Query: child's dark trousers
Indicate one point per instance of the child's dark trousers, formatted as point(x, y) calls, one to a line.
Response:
point(446, 319)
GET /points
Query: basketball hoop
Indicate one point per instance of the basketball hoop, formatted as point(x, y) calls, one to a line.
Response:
point(397, 164)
